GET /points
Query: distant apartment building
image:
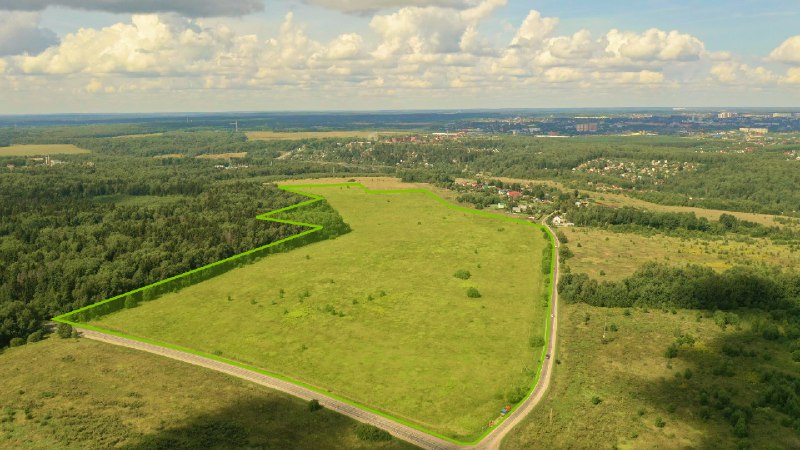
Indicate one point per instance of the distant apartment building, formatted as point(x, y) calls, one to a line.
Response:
point(760, 131)
point(586, 128)
point(726, 115)
point(782, 115)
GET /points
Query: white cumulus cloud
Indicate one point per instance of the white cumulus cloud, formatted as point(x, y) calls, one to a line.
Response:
point(788, 52)
point(654, 45)
point(430, 30)
point(534, 29)
point(736, 73)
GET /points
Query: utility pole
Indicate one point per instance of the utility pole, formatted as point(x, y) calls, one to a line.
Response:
point(236, 124)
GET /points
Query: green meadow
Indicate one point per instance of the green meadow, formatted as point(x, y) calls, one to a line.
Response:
point(378, 316)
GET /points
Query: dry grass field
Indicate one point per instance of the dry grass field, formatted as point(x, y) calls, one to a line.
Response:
point(41, 150)
point(606, 255)
point(81, 394)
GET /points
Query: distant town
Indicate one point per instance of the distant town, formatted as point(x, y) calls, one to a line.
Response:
point(676, 122)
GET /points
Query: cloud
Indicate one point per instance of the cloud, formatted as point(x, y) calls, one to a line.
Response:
point(792, 76)
point(736, 73)
point(346, 46)
point(534, 29)
point(189, 8)
point(654, 45)
point(413, 52)
point(562, 75)
point(371, 6)
point(149, 44)
point(20, 33)
point(430, 30)
point(788, 52)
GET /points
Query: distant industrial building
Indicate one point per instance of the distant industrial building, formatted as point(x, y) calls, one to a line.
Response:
point(760, 131)
point(783, 115)
point(586, 128)
point(726, 115)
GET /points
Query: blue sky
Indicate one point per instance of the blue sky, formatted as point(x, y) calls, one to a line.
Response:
point(343, 54)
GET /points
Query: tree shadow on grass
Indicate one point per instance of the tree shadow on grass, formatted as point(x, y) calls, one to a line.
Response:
point(735, 391)
point(263, 424)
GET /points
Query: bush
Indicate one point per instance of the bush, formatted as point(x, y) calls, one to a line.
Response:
point(596, 400)
point(64, 330)
point(131, 302)
point(473, 293)
point(313, 405)
point(671, 352)
point(373, 434)
point(462, 274)
point(660, 422)
point(516, 395)
point(536, 341)
point(36, 336)
point(17, 342)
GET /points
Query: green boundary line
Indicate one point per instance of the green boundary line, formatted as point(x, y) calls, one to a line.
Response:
point(313, 228)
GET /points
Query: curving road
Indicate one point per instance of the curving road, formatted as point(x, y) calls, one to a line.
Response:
point(406, 433)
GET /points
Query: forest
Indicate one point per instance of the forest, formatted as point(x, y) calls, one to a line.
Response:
point(102, 225)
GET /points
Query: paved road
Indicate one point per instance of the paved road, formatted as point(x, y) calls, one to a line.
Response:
point(406, 433)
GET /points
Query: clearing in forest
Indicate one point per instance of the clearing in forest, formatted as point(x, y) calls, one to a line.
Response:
point(41, 150)
point(380, 316)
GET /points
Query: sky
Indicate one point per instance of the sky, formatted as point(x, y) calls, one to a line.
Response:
point(106, 56)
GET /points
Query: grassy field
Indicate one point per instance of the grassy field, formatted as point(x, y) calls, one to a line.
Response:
point(41, 150)
point(377, 315)
point(635, 384)
point(618, 255)
point(80, 394)
point(292, 136)
point(236, 155)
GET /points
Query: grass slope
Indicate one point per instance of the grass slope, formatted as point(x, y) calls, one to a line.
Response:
point(81, 394)
point(41, 150)
point(376, 315)
point(636, 384)
point(618, 255)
